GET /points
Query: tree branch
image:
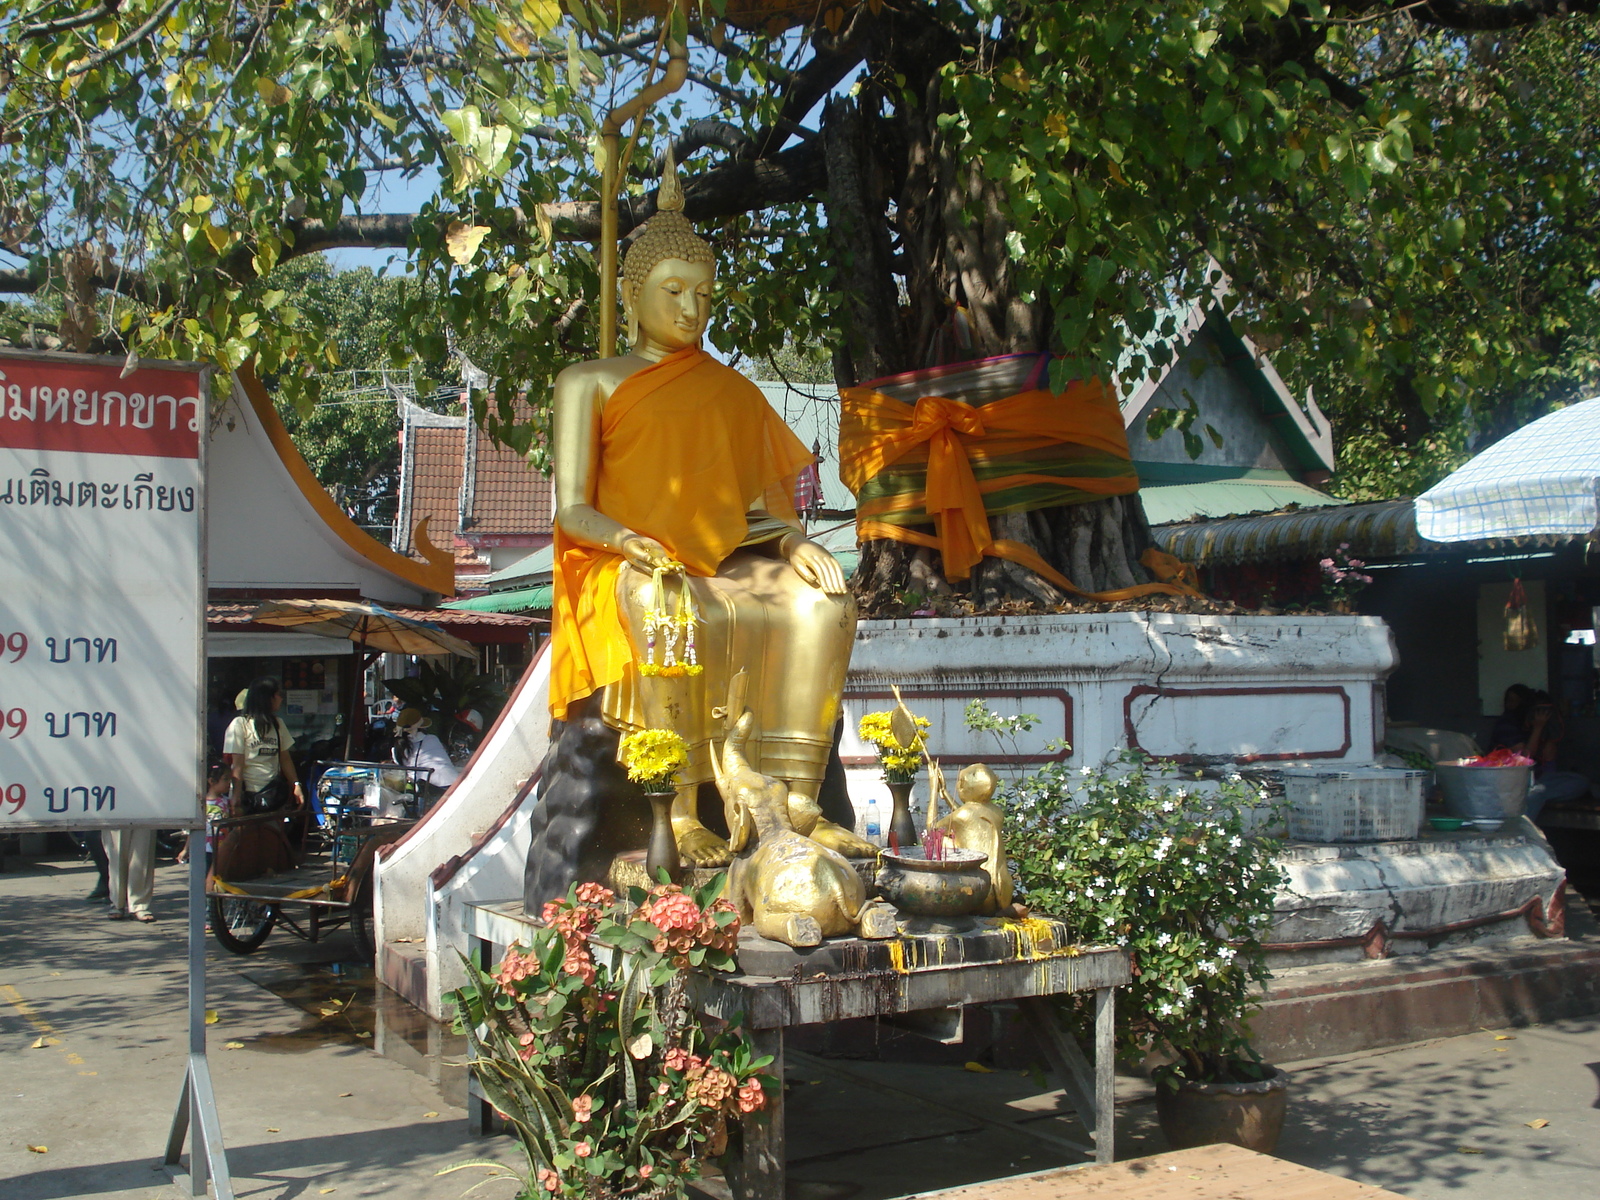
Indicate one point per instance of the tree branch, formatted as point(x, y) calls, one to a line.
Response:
point(1345, 92)
point(45, 29)
point(133, 39)
point(738, 186)
point(1475, 16)
point(732, 95)
point(699, 134)
point(376, 231)
point(825, 70)
point(27, 281)
point(420, 56)
point(19, 281)
point(728, 189)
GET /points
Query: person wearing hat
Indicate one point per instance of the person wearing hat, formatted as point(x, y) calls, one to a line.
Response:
point(414, 746)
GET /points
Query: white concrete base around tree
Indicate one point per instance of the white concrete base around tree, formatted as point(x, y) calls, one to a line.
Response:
point(1284, 691)
point(1345, 903)
point(1251, 691)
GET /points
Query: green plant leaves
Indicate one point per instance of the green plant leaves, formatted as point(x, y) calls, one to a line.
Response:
point(1132, 854)
point(585, 1039)
point(481, 149)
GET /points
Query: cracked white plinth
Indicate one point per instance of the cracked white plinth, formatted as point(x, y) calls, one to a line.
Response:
point(1432, 887)
point(1287, 691)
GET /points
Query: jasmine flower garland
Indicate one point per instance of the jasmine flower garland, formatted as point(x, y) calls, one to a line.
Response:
point(672, 631)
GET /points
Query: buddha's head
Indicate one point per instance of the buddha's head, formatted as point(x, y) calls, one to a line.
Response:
point(667, 274)
point(976, 784)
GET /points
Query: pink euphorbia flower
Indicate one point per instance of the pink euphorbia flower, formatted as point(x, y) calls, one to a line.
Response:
point(751, 1097)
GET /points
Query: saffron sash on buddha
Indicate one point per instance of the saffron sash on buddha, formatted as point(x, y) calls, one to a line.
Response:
point(952, 464)
point(687, 447)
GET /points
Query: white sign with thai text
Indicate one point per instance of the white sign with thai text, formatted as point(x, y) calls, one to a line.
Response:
point(102, 592)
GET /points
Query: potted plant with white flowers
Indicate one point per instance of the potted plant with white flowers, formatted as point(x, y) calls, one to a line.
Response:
point(1167, 866)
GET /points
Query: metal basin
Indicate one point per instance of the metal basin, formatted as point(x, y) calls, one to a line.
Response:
point(946, 890)
point(1483, 794)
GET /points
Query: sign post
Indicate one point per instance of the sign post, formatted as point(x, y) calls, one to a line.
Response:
point(102, 626)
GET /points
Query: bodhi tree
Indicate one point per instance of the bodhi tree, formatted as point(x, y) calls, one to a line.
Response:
point(1517, 289)
point(902, 180)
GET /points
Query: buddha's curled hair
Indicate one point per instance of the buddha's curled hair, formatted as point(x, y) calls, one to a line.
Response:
point(666, 235)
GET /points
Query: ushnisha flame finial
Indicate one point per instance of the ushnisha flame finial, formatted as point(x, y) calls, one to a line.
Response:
point(666, 235)
point(670, 196)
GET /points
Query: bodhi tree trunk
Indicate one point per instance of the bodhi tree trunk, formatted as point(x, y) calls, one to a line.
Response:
point(919, 248)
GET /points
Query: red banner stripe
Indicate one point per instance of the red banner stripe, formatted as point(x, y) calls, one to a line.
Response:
point(96, 410)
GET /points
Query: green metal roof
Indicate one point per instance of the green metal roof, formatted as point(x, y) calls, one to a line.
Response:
point(534, 599)
point(839, 538)
point(1383, 529)
point(1167, 503)
point(540, 563)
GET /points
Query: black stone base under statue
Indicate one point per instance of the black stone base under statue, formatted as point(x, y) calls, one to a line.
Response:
point(589, 811)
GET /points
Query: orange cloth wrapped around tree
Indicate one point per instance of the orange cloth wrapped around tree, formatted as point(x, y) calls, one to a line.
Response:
point(915, 460)
point(688, 449)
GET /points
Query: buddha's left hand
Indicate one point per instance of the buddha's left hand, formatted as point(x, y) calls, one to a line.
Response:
point(817, 567)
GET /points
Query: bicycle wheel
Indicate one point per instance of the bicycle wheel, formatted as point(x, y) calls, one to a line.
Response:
point(241, 925)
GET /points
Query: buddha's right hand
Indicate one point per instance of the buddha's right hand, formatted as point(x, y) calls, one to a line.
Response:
point(645, 552)
point(817, 567)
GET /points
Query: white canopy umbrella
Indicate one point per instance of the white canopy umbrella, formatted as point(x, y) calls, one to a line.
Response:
point(1542, 479)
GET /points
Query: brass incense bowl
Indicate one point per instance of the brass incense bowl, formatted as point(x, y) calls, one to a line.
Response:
point(939, 895)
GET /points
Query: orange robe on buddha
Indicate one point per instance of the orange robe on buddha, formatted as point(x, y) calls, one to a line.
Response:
point(692, 455)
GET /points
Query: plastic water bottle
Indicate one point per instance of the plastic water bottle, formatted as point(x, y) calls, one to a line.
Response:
point(874, 826)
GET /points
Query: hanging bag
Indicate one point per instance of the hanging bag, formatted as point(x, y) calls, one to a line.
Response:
point(1521, 633)
point(271, 798)
point(276, 793)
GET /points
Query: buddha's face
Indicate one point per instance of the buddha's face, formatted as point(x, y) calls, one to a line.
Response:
point(673, 304)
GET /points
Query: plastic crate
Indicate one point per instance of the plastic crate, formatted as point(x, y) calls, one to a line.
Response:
point(344, 782)
point(1363, 804)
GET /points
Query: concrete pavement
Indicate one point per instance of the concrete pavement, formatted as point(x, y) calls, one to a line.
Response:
point(309, 1107)
point(306, 1108)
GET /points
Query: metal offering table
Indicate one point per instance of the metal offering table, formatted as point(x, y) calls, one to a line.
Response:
point(777, 987)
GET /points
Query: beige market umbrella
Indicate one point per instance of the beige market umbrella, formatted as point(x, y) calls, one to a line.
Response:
point(370, 626)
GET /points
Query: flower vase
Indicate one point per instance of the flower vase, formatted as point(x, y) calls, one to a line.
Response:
point(1341, 607)
point(900, 822)
point(663, 851)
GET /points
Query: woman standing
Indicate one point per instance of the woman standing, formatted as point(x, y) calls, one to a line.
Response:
point(264, 777)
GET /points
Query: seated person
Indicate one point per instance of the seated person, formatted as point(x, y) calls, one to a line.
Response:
point(414, 746)
point(1531, 725)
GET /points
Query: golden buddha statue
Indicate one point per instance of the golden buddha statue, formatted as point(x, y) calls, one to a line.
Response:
point(672, 473)
point(978, 824)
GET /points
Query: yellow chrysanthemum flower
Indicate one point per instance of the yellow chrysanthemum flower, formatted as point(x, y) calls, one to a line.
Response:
point(899, 763)
point(654, 756)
